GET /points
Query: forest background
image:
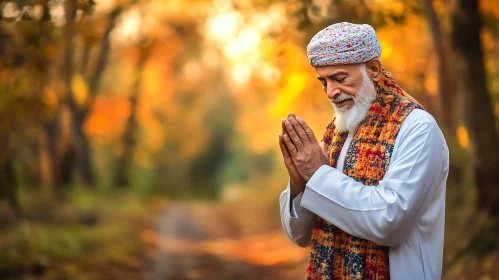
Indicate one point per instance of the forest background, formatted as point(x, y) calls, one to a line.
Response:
point(138, 138)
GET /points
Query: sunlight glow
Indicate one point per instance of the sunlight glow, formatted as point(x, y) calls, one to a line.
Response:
point(130, 26)
point(104, 6)
point(295, 84)
point(462, 136)
point(246, 44)
point(223, 27)
point(57, 13)
point(241, 73)
point(269, 73)
point(240, 41)
point(386, 47)
point(10, 10)
point(261, 21)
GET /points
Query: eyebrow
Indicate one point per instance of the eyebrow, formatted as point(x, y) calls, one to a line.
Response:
point(334, 75)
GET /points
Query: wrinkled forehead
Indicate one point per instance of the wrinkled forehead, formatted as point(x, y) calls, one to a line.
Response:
point(343, 69)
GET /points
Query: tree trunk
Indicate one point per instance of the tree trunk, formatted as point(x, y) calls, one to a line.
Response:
point(85, 57)
point(128, 139)
point(104, 50)
point(60, 153)
point(57, 153)
point(446, 90)
point(81, 145)
point(8, 187)
point(446, 114)
point(479, 117)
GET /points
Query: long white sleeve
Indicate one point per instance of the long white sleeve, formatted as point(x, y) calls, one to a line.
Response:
point(298, 227)
point(385, 214)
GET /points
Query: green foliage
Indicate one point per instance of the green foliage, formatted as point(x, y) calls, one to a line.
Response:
point(88, 228)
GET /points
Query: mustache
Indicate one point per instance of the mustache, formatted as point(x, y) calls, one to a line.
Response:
point(341, 97)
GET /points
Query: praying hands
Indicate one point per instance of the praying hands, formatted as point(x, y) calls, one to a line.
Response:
point(302, 154)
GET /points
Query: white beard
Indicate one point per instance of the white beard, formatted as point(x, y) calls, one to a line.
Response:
point(349, 119)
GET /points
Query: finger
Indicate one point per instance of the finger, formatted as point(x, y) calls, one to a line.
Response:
point(283, 121)
point(284, 149)
point(288, 161)
point(299, 130)
point(291, 114)
point(308, 130)
point(291, 148)
point(293, 135)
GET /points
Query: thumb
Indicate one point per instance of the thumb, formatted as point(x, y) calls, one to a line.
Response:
point(323, 148)
point(325, 156)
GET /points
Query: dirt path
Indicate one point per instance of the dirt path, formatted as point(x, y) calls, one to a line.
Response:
point(207, 241)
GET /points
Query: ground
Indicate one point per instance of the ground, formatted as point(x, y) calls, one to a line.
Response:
point(128, 238)
point(200, 240)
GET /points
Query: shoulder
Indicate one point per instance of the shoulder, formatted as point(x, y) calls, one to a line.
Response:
point(419, 121)
point(419, 116)
point(421, 140)
point(420, 124)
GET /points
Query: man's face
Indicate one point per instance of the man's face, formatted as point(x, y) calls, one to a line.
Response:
point(351, 91)
point(341, 83)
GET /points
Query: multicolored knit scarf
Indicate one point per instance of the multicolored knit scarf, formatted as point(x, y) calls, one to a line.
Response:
point(335, 254)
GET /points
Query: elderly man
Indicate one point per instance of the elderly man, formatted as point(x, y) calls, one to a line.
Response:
point(369, 200)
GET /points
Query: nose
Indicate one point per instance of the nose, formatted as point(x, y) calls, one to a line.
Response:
point(332, 92)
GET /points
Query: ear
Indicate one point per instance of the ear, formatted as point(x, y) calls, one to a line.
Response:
point(374, 69)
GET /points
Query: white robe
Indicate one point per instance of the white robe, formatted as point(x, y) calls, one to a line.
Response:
point(406, 211)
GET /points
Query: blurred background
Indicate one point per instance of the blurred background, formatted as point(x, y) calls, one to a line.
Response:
point(138, 138)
